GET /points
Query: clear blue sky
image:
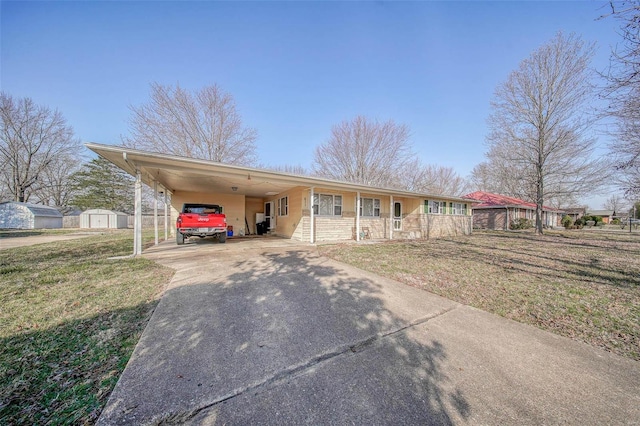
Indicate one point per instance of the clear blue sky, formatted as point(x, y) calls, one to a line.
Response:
point(294, 68)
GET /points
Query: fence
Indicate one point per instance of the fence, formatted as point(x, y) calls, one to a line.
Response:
point(147, 221)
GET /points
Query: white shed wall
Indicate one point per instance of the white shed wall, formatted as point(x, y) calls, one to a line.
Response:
point(15, 216)
point(41, 222)
point(101, 218)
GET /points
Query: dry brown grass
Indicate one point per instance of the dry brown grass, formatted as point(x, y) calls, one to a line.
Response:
point(579, 284)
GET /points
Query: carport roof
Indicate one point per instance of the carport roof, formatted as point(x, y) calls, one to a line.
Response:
point(175, 173)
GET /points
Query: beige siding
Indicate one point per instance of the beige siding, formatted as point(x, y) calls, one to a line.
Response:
point(420, 225)
point(378, 227)
point(296, 224)
point(286, 226)
point(333, 229)
point(439, 226)
point(233, 205)
point(253, 206)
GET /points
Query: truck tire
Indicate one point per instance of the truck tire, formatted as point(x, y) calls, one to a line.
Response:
point(179, 238)
point(222, 238)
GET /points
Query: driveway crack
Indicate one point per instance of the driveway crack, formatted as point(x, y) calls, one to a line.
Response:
point(298, 369)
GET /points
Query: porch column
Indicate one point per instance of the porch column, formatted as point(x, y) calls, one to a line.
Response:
point(137, 222)
point(506, 224)
point(166, 212)
point(358, 216)
point(392, 213)
point(311, 215)
point(155, 210)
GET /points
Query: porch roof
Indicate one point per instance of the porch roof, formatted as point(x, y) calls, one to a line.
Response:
point(176, 173)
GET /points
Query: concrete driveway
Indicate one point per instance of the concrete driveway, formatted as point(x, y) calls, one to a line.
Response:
point(269, 332)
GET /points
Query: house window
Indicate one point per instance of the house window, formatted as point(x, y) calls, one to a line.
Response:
point(283, 206)
point(327, 205)
point(436, 207)
point(370, 207)
point(458, 208)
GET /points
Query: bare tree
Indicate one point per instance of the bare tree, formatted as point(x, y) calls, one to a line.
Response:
point(289, 169)
point(623, 94)
point(55, 187)
point(33, 139)
point(538, 124)
point(615, 203)
point(204, 124)
point(364, 151)
point(500, 178)
point(434, 179)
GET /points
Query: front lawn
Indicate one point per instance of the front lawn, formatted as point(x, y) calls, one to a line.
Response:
point(69, 320)
point(579, 284)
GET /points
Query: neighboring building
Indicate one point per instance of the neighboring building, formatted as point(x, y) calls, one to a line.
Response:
point(575, 212)
point(101, 218)
point(303, 208)
point(494, 211)
point(606, 215)
point(15, 215)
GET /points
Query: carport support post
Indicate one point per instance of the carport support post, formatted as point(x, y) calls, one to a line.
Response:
point(358, 216)
point(392, 213)
point(137, 222)
point(166, 219)
point(155, 210)
point(311, 215)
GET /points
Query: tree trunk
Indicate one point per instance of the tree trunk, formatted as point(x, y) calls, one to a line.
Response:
point(539, 199)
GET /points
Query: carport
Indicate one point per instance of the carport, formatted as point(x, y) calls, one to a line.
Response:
point(295, 200)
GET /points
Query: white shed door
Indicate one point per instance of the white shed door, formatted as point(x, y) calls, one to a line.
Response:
point(98, 221)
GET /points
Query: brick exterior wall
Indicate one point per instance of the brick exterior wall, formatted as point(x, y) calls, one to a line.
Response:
point(490, 219)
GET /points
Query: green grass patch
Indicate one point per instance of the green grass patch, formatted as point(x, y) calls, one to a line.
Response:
point(69, 321)
point(583, 285)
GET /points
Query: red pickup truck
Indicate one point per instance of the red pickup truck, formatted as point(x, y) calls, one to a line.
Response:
point(201, 220)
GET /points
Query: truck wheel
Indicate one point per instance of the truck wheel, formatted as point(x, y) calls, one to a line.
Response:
point(222, 238)
point(179, 238)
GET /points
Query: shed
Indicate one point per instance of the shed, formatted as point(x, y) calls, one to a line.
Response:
point(102, 218)
point(15, 215)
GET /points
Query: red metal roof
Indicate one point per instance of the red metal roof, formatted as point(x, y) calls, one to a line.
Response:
point(489, 200)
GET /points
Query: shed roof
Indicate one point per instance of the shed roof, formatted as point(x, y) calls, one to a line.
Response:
point(37, 209)
point(104, 211)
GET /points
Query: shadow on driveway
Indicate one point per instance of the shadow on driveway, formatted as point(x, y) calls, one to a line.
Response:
point(284, 337)
point(275, 334)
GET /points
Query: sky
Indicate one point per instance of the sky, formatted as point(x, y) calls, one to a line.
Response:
point(295, 69)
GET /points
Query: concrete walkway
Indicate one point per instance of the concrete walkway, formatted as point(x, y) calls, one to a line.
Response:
point(269, 332)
